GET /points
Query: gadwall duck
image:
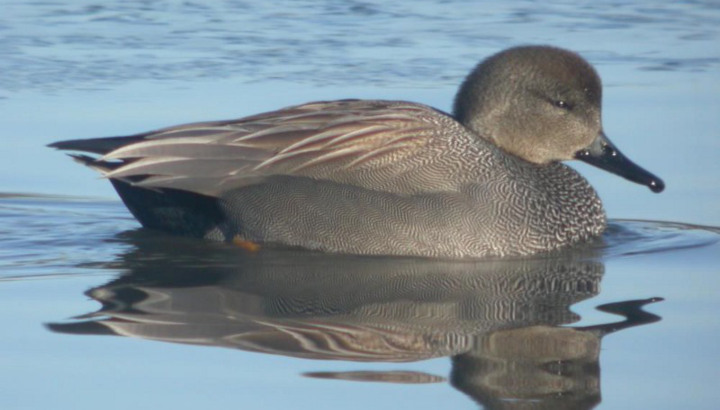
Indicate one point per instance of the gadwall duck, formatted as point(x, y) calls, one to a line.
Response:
point(387, 177)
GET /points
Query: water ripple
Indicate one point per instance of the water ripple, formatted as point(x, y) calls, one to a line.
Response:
point(629, 237)
point(44, 235)
point(50, 46)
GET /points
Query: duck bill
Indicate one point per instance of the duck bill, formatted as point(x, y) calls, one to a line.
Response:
point(604, 155)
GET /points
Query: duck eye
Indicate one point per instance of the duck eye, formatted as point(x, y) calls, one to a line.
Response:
point(562, 104)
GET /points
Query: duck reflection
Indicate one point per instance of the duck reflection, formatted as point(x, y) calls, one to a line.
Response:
point(498, 320)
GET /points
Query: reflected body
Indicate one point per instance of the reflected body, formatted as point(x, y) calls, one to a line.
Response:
point(498, 321)
point(388, 177)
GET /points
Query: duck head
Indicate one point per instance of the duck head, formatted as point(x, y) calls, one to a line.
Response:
point(543, 104)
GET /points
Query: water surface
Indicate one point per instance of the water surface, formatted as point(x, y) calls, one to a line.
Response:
point(98, 312)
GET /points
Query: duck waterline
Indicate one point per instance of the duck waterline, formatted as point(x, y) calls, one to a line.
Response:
point(379, 177)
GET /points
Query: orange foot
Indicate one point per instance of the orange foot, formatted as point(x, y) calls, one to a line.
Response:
point(245, 244)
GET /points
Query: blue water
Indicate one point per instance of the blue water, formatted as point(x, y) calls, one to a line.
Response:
point(201, 325)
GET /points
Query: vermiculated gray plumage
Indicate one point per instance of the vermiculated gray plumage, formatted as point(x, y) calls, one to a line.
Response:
point(383, 177)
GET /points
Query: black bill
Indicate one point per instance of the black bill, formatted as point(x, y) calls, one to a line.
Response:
point(604, 155)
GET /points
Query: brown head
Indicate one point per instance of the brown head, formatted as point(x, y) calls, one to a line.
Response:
point(542, 104)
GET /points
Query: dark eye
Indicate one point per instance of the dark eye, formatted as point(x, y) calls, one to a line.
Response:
point(562, 104)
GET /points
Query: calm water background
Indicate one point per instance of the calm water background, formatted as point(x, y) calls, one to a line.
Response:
point(85, 69)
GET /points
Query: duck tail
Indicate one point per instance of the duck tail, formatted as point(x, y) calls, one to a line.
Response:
point(99, 146)
point(165, 209)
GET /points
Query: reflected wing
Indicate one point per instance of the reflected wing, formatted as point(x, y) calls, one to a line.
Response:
point(374, 144)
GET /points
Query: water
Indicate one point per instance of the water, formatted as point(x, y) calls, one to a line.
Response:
point(629, 323)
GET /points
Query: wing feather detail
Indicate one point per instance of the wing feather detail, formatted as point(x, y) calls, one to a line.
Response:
point(365, 143)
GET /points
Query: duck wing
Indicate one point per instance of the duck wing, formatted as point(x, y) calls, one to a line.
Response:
point(392, 146)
